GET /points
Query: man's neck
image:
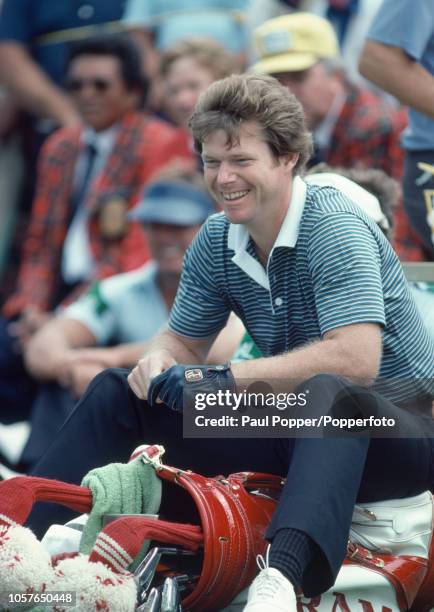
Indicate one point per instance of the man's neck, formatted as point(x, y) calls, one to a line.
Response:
point(264, 233)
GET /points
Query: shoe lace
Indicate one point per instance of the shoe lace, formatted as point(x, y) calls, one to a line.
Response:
point(263, 562)
point(266, 584)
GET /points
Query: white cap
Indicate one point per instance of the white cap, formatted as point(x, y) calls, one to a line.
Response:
point(363, 198)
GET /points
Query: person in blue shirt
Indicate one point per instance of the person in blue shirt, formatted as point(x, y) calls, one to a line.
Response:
point(398, 56)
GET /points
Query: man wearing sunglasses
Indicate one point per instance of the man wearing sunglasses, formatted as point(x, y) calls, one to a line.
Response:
point(88, 179)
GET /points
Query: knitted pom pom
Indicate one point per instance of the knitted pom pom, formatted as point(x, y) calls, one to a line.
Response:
point(97, 586)
point(24, 564)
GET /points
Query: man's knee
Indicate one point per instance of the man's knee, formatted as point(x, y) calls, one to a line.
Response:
point(332, 395)
point(113, 378)
point(108, 391)
point(322, 382)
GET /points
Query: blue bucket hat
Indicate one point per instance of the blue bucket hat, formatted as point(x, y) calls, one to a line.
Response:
point(174, 204)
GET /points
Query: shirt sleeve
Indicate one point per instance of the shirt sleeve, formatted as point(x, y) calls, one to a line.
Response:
point(404, 24)
point(16, 21)
point(200, 309)
point(93, 310)
point(139, 13)
point(344, 263)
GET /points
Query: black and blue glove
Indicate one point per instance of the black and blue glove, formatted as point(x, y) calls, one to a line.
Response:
point(171, 384)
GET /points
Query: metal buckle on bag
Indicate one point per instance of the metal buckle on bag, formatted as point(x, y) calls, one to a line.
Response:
point(362, 555)
point(365, 512)
point(152, 455)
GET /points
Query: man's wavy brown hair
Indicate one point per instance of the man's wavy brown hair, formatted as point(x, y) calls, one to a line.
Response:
point(232, 101)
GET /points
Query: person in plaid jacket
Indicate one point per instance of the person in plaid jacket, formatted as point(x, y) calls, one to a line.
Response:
point(70, 242)
point(352, 126)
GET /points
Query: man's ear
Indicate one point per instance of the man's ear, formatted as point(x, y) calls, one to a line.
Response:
point(290, 160)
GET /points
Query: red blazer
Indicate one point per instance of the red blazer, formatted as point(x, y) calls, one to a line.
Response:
point(142, 146)
point(367, 134)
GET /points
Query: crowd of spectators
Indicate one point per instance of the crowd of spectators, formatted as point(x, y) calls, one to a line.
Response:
point(97, 96)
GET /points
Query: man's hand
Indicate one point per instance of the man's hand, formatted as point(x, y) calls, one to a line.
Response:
point(148, 368)
point(75, 374)
point(80, 375)
point(169, 386)
point(79, 366)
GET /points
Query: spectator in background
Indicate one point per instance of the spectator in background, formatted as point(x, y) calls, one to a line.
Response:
point(112, 323)
point(187, 69)
point(35, 38)
point(158, 24)
point(34, 42)
point(399, 57)
point(351, 125)
point(88, 179)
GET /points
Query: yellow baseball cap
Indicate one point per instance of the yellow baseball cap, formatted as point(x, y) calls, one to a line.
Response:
point(294, 42)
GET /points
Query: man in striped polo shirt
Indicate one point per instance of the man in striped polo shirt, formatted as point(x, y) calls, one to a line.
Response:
point(323, 295)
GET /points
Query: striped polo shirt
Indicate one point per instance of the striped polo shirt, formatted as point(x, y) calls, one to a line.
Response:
point(330, 266)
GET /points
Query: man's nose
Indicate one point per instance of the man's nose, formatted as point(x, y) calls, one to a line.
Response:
point(225, 174)
point(87, 91)
point(187, 99)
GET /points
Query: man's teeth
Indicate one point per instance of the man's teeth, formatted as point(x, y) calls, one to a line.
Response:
point(235, 195)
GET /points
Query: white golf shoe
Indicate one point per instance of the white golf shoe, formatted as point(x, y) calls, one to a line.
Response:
point(270, 591)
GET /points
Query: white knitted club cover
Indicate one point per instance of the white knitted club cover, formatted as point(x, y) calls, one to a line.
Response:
point(97, 587)
point(24, 564)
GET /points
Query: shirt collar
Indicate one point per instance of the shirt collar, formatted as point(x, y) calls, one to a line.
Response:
point(238, 236)
point(103, 141)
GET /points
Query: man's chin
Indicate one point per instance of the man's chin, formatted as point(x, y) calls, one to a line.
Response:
point(235, 218)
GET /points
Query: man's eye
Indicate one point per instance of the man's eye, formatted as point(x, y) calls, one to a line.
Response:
point(243, 160)
point(210, 163)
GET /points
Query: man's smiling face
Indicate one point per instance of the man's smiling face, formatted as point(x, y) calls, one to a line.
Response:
point(246, 179)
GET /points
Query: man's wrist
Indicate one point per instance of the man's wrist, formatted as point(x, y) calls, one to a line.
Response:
point(170, 385)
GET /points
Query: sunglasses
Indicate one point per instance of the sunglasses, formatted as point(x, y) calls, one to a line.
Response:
point(77, 85)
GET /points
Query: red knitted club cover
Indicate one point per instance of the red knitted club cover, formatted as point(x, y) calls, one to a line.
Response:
point(120, 542)
point(18, 495)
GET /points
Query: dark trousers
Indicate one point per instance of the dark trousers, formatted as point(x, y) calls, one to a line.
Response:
point(52, 406)
point(418, 198)
point(325, 476)
point(17, 389)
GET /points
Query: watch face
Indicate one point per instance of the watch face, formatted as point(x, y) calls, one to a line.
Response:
point(193, 375)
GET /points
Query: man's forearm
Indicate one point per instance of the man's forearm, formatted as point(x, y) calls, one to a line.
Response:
point(43, 354)
point(127, 355)
point(174, 345)
point(394, 71)
point(48, 349)
point(321, 357)
point(32, 88)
